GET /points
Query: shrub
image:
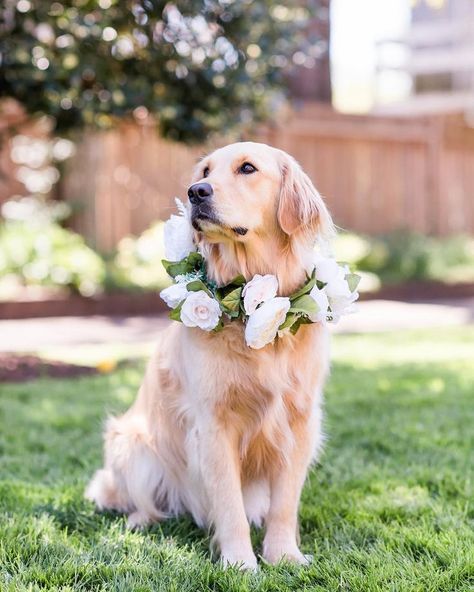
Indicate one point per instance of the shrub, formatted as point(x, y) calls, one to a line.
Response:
point(137, 263)
point(48, 255)
point(403, 255)
point(35, 250)
point(198, 67)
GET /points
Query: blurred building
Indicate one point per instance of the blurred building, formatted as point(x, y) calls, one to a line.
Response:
point(437, 53)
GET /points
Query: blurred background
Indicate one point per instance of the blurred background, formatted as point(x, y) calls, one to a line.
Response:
point(105, 106)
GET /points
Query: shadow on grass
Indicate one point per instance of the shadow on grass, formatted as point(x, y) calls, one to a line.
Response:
point(83, 519)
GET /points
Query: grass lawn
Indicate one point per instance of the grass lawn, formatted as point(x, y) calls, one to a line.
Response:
point(389, 508)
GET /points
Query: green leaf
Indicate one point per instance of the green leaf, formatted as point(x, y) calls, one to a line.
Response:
point(304, 304)
point(174, 268)
point(195, 259)
point(291, 318)
point(218, 327)
point(300, 321)
point(175, 314)
point(190, 263)
point(224, 291)
point(231, 302)
point(166, 264)
point(197, 285)
point(305, 289)
point(353, 280)
point(238, 281)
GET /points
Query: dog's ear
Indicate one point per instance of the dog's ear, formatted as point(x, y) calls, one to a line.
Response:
point(301, 209)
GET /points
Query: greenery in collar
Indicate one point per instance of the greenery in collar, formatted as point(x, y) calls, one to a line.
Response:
point(196, 301)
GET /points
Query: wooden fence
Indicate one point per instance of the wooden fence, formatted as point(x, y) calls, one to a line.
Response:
point(380, 174)
point(377, 174)
point(120, 182)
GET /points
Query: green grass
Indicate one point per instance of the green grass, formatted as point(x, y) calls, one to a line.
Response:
point(390, 507)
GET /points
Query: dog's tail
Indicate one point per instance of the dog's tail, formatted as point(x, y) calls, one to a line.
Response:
point(132, 478)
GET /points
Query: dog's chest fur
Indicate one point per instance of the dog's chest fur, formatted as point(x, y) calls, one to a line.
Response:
point(275, 388)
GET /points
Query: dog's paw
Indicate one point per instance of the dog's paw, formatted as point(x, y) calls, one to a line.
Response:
point(242, 560)
point(100, 490)
point(138, 520)
point(273, 553)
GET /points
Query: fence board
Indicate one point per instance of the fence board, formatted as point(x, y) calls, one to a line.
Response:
point(377, 173)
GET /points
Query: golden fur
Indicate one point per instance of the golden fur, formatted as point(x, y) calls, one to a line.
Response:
point(219, 430)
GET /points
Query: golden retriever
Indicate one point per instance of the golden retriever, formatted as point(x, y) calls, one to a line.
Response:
point(219, 430)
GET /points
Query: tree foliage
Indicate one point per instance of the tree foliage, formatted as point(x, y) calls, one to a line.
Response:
point(196, 66)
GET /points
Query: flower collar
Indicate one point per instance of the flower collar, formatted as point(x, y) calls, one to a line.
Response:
point(328, 293)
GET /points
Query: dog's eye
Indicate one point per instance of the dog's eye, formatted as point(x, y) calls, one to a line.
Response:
point(247, 168)
point(205, 172)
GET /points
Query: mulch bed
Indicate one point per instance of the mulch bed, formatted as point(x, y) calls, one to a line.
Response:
point(148, 303)
point(20, 368)
point(116, 303)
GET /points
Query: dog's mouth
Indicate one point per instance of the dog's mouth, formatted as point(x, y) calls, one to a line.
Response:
point(203, 216)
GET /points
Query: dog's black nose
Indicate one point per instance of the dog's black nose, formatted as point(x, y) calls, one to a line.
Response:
point(199, 192)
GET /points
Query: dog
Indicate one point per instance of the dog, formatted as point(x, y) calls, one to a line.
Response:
point(219, 430)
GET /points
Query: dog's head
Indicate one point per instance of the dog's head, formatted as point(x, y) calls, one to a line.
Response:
point(248, 189)
point(256, 211)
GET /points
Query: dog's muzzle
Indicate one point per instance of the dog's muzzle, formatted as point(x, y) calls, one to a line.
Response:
point(200, 195)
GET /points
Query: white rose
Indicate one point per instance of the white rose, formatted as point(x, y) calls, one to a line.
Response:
point(262, 325)
point(200, 310)
point(342, 305)
point(327, 269)
point(174, 295)
point(321, 299)
point(260, 289)
point(338, 288)
point(178, 235)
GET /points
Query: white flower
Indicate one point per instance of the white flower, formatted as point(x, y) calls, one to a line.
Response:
point(338, 288)
point(321, 299)
point(327, 269)
point(341, 298)
point(178, 235)
point(260, 289)
point(200, 310)
point(174, 295)
point(341, 305)
point(262, 325)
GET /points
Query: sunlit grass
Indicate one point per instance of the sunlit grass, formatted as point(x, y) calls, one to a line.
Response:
point(95, 354)
point(389, 508)
point(443, 344)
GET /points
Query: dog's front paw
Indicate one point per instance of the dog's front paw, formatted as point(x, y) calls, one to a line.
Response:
point(241, 558)
point(276, 551)
point(138, 520)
